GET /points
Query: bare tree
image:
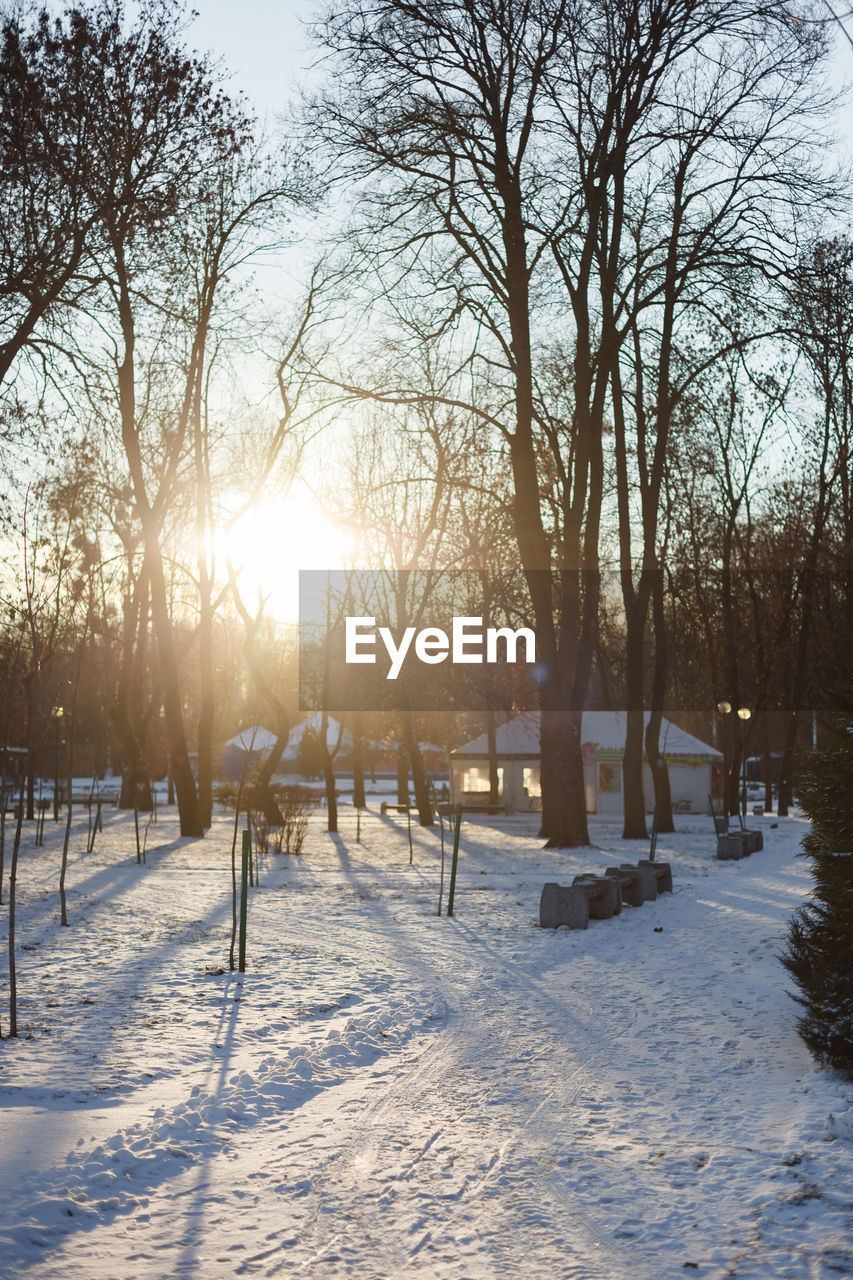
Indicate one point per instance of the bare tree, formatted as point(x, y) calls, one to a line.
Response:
point(730, 166)
point(443, 101)
point(502, 151)
point(49, 102)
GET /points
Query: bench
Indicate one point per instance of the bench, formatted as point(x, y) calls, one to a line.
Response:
point(386, 807)
point(599, 897)
point(633, 886)
point(662, 872)
point(603, 893)
point(738, 844)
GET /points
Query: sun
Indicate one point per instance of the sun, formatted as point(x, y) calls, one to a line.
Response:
point(271, 543)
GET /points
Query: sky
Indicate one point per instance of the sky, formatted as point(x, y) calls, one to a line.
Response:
point(266, 46)
point(263, 43)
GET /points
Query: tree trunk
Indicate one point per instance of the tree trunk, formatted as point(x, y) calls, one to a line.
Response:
point(657, 763)
point(491, 734)
point(766, 762)
point(207, 693)
point(68, 816)
point(135, 780)
point(262, 791)
point(633, 799)
point(328, 772)
point(2, 837)
point(402, 772)
point(419, 782)
point(358, 797)
point(561, 773)
point(206, 715)
point(31, 757)
point(127, 710)
point(798, 687)
point(185, 789)
point(733, 757)
point(13, 880)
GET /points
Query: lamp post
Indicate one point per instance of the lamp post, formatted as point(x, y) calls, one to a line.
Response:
point(58, 713)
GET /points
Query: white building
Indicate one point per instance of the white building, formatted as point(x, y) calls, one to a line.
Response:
point(689, 761)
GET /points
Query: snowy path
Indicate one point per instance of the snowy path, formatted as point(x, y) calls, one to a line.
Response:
point(389, 1094)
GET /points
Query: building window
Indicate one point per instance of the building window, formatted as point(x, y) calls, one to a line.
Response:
point(609, 779)
point(532, 782)
point(477, 780)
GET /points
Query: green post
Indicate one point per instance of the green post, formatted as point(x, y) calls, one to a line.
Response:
point(453, 863)
point(409, 821)
point(89, 832)
point(99, 822)
point(358, 825)
point(136, 829)
point(154, 802)
point(244, 897)
point(654, 836)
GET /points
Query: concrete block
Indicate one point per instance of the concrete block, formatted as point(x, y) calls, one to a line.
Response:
point(561, 904)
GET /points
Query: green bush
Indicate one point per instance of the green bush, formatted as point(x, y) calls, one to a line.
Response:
point(820, 935)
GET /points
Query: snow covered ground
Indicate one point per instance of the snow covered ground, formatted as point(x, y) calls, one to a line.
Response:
point(388, 1093)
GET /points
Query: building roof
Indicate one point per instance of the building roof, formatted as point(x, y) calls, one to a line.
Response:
point(600, 731)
